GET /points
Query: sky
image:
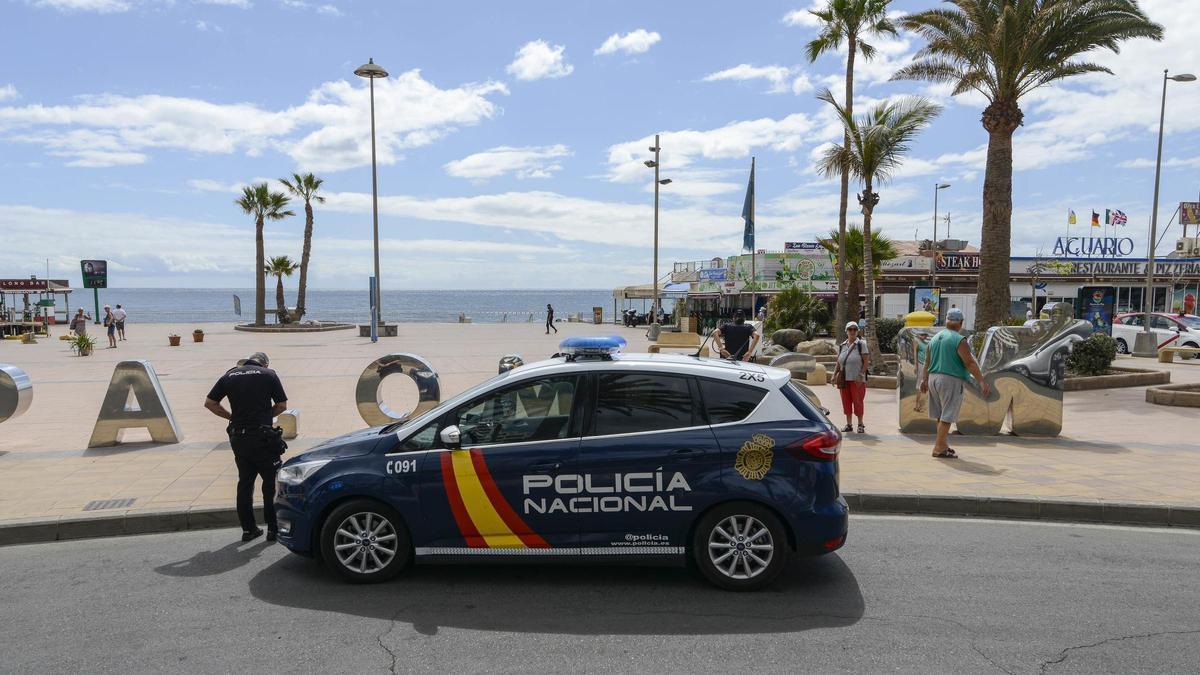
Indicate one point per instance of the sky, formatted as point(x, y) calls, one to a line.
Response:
point(511, 137)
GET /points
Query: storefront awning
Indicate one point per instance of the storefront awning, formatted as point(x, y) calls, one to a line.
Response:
point(646, 291)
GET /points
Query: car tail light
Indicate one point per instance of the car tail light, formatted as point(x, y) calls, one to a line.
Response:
point(823, 446)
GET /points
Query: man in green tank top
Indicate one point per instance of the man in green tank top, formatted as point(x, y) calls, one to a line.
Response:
point(949, 365)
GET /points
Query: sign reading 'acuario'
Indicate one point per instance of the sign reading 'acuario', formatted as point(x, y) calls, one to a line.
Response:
point(1093, 246)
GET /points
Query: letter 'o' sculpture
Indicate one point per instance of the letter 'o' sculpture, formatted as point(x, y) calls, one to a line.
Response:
point(16, 392)
point(138, 380)
point(368, 394)
point(1024, 365)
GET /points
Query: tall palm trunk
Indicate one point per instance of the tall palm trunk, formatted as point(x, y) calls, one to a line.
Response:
point(1000, 119)
point(260, 278)
point(869, 277)
point(280, 303)
point(844, 300)
point(308, 227)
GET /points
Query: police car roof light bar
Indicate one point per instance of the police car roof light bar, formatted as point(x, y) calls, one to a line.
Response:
point(600, 347)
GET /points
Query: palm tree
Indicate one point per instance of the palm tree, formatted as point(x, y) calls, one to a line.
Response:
point(260, 202)
point(846, 22)
point(1005, 49)
point(878, 142)
point(882, 250)
point(305, 187)
point(281, 266)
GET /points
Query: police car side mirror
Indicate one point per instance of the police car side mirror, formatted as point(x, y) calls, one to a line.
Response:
point(451, 436)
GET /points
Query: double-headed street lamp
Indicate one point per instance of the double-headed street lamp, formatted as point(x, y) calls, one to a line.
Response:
point(653, 164)
point(373, 72)
point(1145, 343)
point(936, 188)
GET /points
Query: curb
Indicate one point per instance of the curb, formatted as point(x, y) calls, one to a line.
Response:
point(65, 528)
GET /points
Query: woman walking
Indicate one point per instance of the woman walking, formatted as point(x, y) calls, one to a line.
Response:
point(110, 325)
point(850, 375)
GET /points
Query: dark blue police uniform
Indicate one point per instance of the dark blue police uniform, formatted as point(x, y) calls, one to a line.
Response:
point(252, 390)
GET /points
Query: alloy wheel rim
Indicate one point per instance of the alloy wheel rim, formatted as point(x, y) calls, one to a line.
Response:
point(365, 542)
point(740, 547)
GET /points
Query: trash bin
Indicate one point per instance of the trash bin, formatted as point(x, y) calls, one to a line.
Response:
point(597, 315)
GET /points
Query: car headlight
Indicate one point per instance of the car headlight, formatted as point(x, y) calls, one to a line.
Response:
point(295, 474)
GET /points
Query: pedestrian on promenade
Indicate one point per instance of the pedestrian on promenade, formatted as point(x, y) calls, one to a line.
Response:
point(119, 315)
point(80, 321)
point(736, 340)
point(550, 319)
point(850, 376)
point(948, 367)
point(255, 397)
point(110, 327)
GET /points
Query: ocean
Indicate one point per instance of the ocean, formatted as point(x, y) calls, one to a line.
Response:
point(200, 305)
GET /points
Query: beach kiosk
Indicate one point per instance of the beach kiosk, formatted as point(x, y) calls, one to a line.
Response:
point(29, 305)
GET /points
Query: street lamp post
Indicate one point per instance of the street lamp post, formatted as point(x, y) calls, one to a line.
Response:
point(936, 188)
point(373, 72)
point(654, 164)
point(1145, 343)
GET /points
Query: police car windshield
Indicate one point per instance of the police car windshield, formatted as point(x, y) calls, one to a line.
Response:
point(441, 407)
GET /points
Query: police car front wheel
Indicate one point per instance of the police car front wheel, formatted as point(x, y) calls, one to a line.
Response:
point(740, 546)
point(365, 542)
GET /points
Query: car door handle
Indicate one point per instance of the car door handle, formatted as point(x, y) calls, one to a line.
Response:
point(684, 454)
point(545, 467)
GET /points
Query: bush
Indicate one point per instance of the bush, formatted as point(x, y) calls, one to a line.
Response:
point(1092, 356)
point(886, 331)
point(796, 308)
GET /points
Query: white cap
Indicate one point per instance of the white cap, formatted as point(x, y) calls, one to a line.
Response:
point(851, 324)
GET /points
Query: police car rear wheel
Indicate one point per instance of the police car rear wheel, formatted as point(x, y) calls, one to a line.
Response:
point(365, 542)
point(740, 547)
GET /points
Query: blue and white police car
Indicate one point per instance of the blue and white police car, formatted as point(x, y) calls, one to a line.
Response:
point(593, 454)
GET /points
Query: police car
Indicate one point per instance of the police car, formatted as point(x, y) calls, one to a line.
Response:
point(592, 455)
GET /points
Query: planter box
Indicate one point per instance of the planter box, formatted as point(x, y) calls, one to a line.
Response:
point(1121, 377)
point(1185, 395)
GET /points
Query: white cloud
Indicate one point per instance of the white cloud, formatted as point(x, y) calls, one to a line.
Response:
point(98, 6)
point(8, 92)
point(633, 42)
point(802, 17)
point(329, 10)
point(526, 162)
point(680, 149)
point(240, 4)
point(538, 59)
point(1147, 163)
point(330, 131)
point(204, 26)
point(781, 78)
point(210, 185)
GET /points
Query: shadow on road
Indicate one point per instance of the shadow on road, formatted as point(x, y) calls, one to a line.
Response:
point(575, 599)
point(210, 563)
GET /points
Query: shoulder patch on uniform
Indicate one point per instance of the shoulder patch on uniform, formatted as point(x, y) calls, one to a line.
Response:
point(754, 459)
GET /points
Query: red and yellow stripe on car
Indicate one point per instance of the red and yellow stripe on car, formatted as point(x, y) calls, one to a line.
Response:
point(483, 515)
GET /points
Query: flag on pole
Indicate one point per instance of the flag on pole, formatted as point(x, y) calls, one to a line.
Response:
point(1070, 216)
point(1107, 217)
point(748, 213)
point(1119, 217)
point(1095, 219)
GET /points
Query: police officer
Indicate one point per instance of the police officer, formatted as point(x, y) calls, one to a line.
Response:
point(256, 397)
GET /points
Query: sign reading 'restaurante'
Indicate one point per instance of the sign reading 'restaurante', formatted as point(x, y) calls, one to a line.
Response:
point(1093, 247)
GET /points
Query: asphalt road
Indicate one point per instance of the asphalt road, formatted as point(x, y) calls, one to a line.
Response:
point(906, 595)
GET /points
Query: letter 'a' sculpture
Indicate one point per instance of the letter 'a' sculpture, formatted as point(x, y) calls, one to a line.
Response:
point(134, 380)
point(16, 392)
point(1024, 365)
point(368, 394)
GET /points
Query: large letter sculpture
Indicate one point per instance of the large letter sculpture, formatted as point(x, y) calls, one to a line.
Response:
point(136, 380)
point(16, 392)
point(368, 395)
point(1024, 366)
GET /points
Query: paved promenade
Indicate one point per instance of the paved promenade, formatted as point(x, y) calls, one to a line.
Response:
point(1115, 448)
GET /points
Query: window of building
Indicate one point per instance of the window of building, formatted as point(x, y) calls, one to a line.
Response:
point(637, 402)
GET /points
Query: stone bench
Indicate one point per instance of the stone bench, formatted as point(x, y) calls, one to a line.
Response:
point(289, 421)
point(674, 340)
point(1167, 354)
point(385, 330)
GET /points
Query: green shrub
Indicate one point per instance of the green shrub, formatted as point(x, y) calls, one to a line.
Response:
point(796, 308)
point(1092, 356)
point(886, 331)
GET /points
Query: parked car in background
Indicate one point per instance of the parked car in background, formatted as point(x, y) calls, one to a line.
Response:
point(1170, 330)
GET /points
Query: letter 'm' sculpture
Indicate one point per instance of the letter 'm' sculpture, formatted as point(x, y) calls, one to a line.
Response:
point(136, 381)
point(368, 395)
point(16, 392)
point(1024, 365)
